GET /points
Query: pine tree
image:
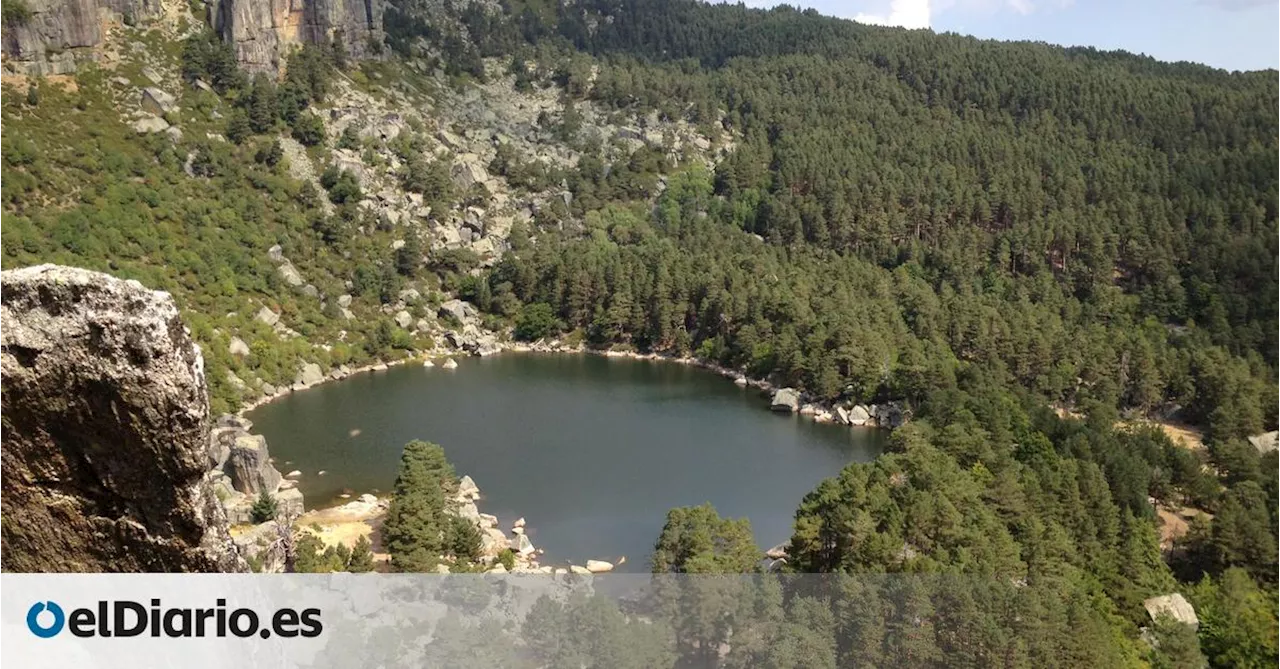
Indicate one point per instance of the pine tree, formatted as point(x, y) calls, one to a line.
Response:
point(417, 525)
point(361, 559)
point(409, 256)
point(262, 107)
point(238, 127)
point(697, 540)
point(264, 508)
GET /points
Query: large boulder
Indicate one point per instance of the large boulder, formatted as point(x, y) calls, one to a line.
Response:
point(221, 438)
point(1174, 606)
point(157, 101)
point(238, 348)
point(785, 400)
point(309, 375)
point(468, 487)
point(1265, 442)
point(267, 316)
point(290, 274)
point(468, 171)
point(599, 566)
point(105, 419)
point(150, 124)
point(521, 545)
point(493, 542)
point(467, 510)
point(859, 415)
point(249, 466)
point(460, 310)
point(289, 503)
point(473, 340)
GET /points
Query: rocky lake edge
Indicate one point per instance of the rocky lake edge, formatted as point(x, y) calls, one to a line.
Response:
point(890, 414)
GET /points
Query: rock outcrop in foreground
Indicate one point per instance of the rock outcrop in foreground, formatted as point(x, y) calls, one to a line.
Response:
point(106, 430)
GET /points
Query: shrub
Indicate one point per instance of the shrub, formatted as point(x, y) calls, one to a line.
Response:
point(535, 322)
point(308, 129)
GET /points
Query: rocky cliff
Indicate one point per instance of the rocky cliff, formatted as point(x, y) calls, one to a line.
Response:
point(241, 470)
point(106, 430)
point(55, 36)
point(262, 30)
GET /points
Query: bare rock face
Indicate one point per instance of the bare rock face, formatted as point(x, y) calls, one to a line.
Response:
point(59, 34)
point(106, 430)
point(261, 31)
point(249, 466)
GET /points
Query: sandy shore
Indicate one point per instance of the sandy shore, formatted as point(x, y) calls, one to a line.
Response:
point(345, 524)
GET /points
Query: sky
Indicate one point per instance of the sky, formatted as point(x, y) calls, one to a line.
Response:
point(1229, 34)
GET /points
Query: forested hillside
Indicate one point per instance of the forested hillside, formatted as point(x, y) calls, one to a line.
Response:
point(1095, 225)
point(1034, 248)
point(982, 229)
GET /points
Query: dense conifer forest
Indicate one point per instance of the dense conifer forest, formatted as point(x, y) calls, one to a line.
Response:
point(985, 230)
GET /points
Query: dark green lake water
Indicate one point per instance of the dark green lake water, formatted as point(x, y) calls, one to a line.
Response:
point(592, 451)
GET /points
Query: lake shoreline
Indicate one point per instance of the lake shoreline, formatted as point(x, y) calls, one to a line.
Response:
point(820, 412)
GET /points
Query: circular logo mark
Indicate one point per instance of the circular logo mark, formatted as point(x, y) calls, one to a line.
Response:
point(45, 631)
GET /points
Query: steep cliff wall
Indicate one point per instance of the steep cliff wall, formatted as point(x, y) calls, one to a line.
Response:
point(56, 35)
point(262, 30)
point(106, 430)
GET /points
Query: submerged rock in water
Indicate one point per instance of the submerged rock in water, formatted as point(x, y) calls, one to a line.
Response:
point(106, 430)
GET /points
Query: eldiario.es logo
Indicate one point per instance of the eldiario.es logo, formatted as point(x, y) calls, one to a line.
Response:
point(124, 618)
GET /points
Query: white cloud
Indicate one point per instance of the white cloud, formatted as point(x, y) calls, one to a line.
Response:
point(905, 13)
point(920, 13)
